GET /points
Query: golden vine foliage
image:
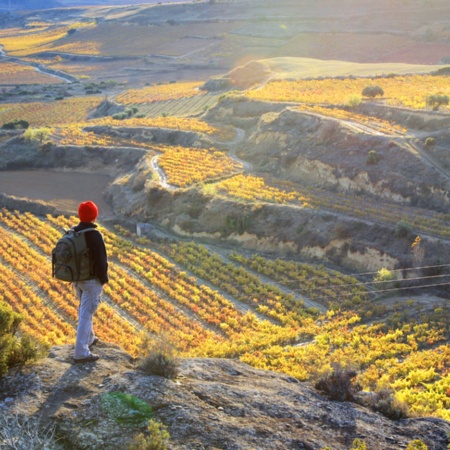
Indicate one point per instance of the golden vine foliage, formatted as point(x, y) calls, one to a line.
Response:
point(39, 114)
point(19, 42)
point(253, 188)
point(148, 292)
point(409, 90)
point(73, 134)
point(13, 73)
point(185, 166)
point(159, 93)
point(381, 125)
point(172, 122)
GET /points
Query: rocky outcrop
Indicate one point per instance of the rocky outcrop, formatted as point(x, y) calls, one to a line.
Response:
point(213, 403)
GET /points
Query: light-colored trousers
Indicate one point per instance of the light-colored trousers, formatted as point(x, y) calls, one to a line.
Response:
point(88, 292)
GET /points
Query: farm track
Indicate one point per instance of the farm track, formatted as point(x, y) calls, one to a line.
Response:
point(264, 279)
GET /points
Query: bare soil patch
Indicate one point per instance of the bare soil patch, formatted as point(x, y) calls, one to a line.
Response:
point(63, 190)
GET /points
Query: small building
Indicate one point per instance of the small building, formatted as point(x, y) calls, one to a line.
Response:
point(143, 229)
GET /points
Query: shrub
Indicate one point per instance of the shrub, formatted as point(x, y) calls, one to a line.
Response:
point(385, 402)
point(15, 352)
point(354, 101)
point(403, 228)
point(36, 134)
point(339, 385)
point(23, 433)
point(435, 101)
point(372, 157)
point(158, 357)
point(383, 275)
point(16, 125)
point(119, 116)
point(156, 440)
point(417, 445)
point(372, 91)
point(358, 444)
point(429, 142)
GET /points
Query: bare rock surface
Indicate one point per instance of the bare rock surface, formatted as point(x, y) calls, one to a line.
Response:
point(212, 404)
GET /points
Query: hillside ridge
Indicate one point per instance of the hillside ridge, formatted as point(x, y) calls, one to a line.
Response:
point(212, 404)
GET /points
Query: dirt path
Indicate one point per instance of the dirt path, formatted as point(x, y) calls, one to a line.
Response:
point(63, 190)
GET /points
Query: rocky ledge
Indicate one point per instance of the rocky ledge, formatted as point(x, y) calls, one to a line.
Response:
point(212, 404)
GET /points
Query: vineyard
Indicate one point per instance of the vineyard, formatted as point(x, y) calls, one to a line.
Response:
point(282, 314)
point(186, 166)
point(407, 91)
point(25, 42)
point(18, 74)
point(215, 307)
point(41, 114)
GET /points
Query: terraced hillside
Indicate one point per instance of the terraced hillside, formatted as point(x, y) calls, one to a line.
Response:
point(296, 220)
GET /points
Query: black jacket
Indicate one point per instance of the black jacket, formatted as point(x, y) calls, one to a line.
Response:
point(96, 245)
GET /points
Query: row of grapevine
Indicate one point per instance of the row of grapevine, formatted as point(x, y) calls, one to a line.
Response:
point(185, 166)
point(409, 91)
point(146, 286)
point(31, 257)
point(329, 288)
point(198, 303)
point(13, 73)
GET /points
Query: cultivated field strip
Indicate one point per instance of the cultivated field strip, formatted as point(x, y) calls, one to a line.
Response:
point(184, 107)
point(39, 319)
point(183, 293)
point(23, 257)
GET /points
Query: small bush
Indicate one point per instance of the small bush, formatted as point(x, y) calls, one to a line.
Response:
point(384, 402)
point(417, 445)
point(15, 352)
point(339, 385)
point(354, 101)
point(358, 444)
point(435, 101)
point(157, 439)
point(36, 134)
point(429, 142)
point(119, 116)
point(16, 125)
point(372, 157)
point(403, 229)
point(24, 433)
point(158, 357)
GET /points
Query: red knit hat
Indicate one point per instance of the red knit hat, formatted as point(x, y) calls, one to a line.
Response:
point(87, 211)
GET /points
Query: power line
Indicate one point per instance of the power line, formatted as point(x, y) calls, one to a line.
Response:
point(399, 270)
point(373, 282)
point(393, 289)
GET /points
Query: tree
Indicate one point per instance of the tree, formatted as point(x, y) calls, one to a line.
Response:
point(372, 91)
point(36, 134)
point(437, 100)
point(16, 125)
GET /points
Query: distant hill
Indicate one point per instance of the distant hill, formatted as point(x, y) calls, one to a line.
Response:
point(14, 5)
point(9, 5)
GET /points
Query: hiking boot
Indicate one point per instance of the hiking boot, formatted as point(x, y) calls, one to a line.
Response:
point(90, 358)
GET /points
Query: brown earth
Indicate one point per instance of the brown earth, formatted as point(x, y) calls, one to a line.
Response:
point(62, 190)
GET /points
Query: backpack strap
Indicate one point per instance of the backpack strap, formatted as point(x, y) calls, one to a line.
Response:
point(72, 230)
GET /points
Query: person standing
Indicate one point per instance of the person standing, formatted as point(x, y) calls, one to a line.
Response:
point(89, 291)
